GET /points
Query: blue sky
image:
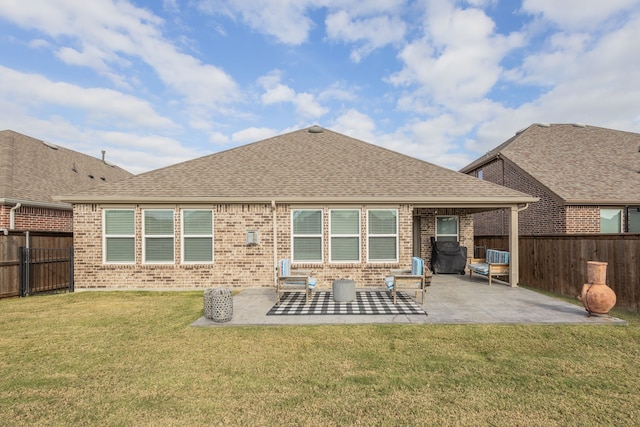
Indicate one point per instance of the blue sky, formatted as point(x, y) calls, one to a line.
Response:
point(159, 82)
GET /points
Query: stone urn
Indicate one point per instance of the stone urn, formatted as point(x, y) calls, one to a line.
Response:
point(596, 296)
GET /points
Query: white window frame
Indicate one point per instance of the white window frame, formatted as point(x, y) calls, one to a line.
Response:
point(370, 235)
point(320, 235)
point(157, 236)
point(620, 213)
point(184, 236)
point(105, 237)
point(358, 235)
point(457, 235)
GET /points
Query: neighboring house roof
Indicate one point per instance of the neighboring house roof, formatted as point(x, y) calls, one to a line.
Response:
point(310, 165)
point(580, 164)
point(32, 172)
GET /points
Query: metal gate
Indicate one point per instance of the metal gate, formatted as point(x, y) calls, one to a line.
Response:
point(45, 270)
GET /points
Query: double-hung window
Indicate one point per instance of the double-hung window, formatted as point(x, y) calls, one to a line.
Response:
point(119, 231)
point(345, 235)
point(382, 235)
point(447, 228)
point(197, 236)
point(306, 235)
point(158, 236)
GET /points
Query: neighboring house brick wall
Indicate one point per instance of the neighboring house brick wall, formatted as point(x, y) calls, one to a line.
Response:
point(236, 264)
point(583, 219)
point(37, 219)
point(547, 216)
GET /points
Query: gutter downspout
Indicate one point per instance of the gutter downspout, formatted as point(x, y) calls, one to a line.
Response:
point(12, 216)
point(275, 243)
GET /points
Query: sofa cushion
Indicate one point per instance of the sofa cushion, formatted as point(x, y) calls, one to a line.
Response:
point(481, 268)
point(497, 257)
point(416, 266)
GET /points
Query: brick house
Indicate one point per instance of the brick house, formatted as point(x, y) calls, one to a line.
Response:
point(32, 172)
point(587, 179)
point(335, 205)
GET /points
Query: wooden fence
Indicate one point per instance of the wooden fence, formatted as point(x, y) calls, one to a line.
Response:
point(10, 255)
point(558, 263)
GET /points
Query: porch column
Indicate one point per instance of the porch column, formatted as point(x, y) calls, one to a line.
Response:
point(514, 274)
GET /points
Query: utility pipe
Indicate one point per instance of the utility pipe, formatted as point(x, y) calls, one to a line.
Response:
point(275, 243)
point(12, 216)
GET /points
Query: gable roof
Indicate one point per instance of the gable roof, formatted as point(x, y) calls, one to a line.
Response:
point(580, 164)
point(312, 165)
point(33, 171)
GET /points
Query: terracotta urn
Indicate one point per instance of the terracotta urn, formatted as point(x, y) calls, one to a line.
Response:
point(596, 296)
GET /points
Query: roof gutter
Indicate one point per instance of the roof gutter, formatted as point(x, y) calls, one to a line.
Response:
point(46, 205)
point(417, 201)
point(584, 202)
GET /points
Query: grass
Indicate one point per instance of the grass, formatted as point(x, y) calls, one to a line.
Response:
point(131, 358)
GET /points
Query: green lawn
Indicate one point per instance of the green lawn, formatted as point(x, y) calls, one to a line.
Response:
point(131, 358)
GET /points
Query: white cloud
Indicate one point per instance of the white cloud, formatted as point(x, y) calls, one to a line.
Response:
point(102, 105)
point(458, 59)
point(109, 33)
point(355, 124)
point(218, 138)
point(252, 134)
point(275, 93)
point(577, 14)
point(368, 33)
point(286, 20)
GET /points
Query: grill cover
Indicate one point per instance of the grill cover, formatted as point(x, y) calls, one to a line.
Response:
point(448, 257)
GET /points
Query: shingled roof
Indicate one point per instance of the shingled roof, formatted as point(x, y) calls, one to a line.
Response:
point(32, 172)
point(310, 165)
point(580, 164)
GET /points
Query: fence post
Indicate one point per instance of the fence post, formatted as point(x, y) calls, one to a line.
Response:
point(71, 279)
point(23, 259)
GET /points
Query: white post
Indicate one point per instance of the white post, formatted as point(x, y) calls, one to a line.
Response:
point(514, 275)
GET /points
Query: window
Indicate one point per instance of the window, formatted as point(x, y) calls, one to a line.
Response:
point(610, 220)
point(345, 235)
point(197, 236)
point(382, 235)
point(447, 228)
point(119, 233)
point(158, 236)
point(480, 173)
point(634, 219)
point(307, 235)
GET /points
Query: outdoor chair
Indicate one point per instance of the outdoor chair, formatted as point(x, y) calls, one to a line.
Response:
point(418, 278)
point(294, 281)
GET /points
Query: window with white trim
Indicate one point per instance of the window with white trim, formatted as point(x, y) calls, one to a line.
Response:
point(610, 220)
point(119, 236)
point(306, 235)
point(158, 236)
point(344, 225)
point(447, 228)
point(382, 235)
point(197, 236)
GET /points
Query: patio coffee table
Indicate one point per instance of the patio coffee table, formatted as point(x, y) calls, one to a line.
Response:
point(344, 290)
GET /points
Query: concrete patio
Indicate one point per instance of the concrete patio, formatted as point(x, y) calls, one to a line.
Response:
point(451, 299)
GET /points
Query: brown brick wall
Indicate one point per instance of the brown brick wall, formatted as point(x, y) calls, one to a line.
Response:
point(547, 216)
point(37, 219)
point(236, 264)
